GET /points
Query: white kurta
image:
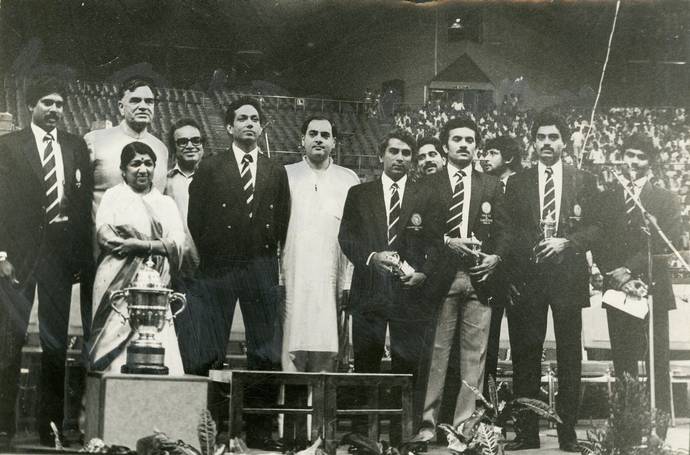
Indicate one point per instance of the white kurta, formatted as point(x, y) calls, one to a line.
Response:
point(315, 270)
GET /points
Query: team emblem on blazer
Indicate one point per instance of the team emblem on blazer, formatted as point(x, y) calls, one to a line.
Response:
point(77, 178)
point(577, 210)
point(415, 222)
point(486, 217)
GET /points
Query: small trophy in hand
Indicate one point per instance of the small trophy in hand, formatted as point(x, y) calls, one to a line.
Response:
point(548, 227)
point(475, 246)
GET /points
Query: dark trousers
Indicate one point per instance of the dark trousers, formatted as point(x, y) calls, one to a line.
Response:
point(408, 332)
point(629, 343)
point(256, 287)
point(527, 329)
point(492, 347)
point(53, 276)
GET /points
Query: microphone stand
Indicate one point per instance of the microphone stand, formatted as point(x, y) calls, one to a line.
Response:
point(650, 220)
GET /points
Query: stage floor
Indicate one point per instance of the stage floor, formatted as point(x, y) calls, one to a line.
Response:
point(678, 438)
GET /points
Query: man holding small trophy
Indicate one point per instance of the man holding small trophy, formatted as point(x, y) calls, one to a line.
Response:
point(552, 213)
point(476, 237)
point(389, 233)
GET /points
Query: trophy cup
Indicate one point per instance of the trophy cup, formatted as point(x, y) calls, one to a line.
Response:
point(147, 308)
point(548, 230)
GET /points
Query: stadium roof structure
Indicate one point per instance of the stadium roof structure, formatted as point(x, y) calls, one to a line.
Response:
point(463, 73)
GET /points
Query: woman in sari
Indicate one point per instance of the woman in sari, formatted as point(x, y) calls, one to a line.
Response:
point(134, 222)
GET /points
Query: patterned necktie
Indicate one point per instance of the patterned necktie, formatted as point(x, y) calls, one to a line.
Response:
point(50, 180)
point(393, 214)
point(246, 175)
point(456, 207)
point(549, 210)
point(630, 203)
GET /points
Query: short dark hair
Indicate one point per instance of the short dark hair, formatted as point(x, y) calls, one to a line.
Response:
point(548, 118)
point(132, 83)
point(42, 86)
point(180, 124)
point(311, 118)
point(401, 135)
point(460, 122)
point(238, 103)
point(642, 142)
point(433, 141)
point(509, 148)
point(131, 150)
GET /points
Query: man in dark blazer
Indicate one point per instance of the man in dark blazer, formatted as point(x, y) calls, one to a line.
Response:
point(45, 199)
point(622, 258)
point(472, 211)
point(386, 222)
point(558, 199)
point(502, 158)
point(239, 203)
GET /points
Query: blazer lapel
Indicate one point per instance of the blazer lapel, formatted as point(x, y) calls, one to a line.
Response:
point(233, 175)
point(408, 203)
point(30, 151)
point(378, 213)
point(533, 195)
point(568, 192)
point(67, 160)
point(475, 201)
point(260, 180)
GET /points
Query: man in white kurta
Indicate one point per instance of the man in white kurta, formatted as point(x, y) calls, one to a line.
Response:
point(315, 270)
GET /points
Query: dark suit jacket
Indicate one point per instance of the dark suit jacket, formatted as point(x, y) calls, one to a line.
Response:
point(364, 230)
point(488, 221)
point(624, 245)
point(224, 234)
point(22, 199)
point(577, 222)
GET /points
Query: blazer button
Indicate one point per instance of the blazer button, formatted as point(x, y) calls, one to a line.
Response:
point(270, 206)
point(229, 227)
point(223, 205)
point(268, 226)
point(266, 246)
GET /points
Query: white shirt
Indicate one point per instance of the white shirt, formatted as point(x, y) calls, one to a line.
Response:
point(467, 183)
point(387, 183)
point(39, 134)
point(239, 154)
point(639, 183)
point(557, 185)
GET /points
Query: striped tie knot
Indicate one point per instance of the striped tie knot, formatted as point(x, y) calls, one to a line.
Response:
point(247, 158)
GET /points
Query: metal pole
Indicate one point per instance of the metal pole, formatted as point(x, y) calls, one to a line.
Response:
point(436, 42)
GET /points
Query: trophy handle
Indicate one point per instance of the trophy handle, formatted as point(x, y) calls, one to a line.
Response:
point(115, 295)
point(178, 297)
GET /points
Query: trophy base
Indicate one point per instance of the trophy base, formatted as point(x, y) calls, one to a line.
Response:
point(147, 359)
point(145, 369)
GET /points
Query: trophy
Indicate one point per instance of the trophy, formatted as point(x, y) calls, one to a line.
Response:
point(147, 307)
point(548, 227)
point(475, 245)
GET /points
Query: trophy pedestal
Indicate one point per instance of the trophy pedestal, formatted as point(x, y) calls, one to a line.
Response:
point(121, 409)
point(145, 359)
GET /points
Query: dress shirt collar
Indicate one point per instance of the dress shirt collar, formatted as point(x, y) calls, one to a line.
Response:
point(178, 170)
point(557, 169)
point(639, 183)
point(387, 182)
point(239, 154)
point(453, 169)
point(40, 133)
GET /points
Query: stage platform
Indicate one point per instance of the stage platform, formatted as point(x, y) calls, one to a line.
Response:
point(677, 438)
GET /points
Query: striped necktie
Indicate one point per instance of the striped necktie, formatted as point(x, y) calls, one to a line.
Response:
point(247, 185)
point(549, 206)
point(393, 214)
point(50, 180)
point(456, 207)
point(630, 203)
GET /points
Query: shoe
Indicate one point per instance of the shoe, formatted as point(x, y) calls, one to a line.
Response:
point(5, 441)
point(572, 446)
point(424, 435)
point(521, 444)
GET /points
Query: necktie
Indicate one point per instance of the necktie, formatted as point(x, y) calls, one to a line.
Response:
point(50, 180)
point(246, 175)
point(630, 203)
point(456, 207)
point(393, 214)
point(549, 206)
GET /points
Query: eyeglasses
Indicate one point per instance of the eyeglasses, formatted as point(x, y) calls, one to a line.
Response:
point(182, 142)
